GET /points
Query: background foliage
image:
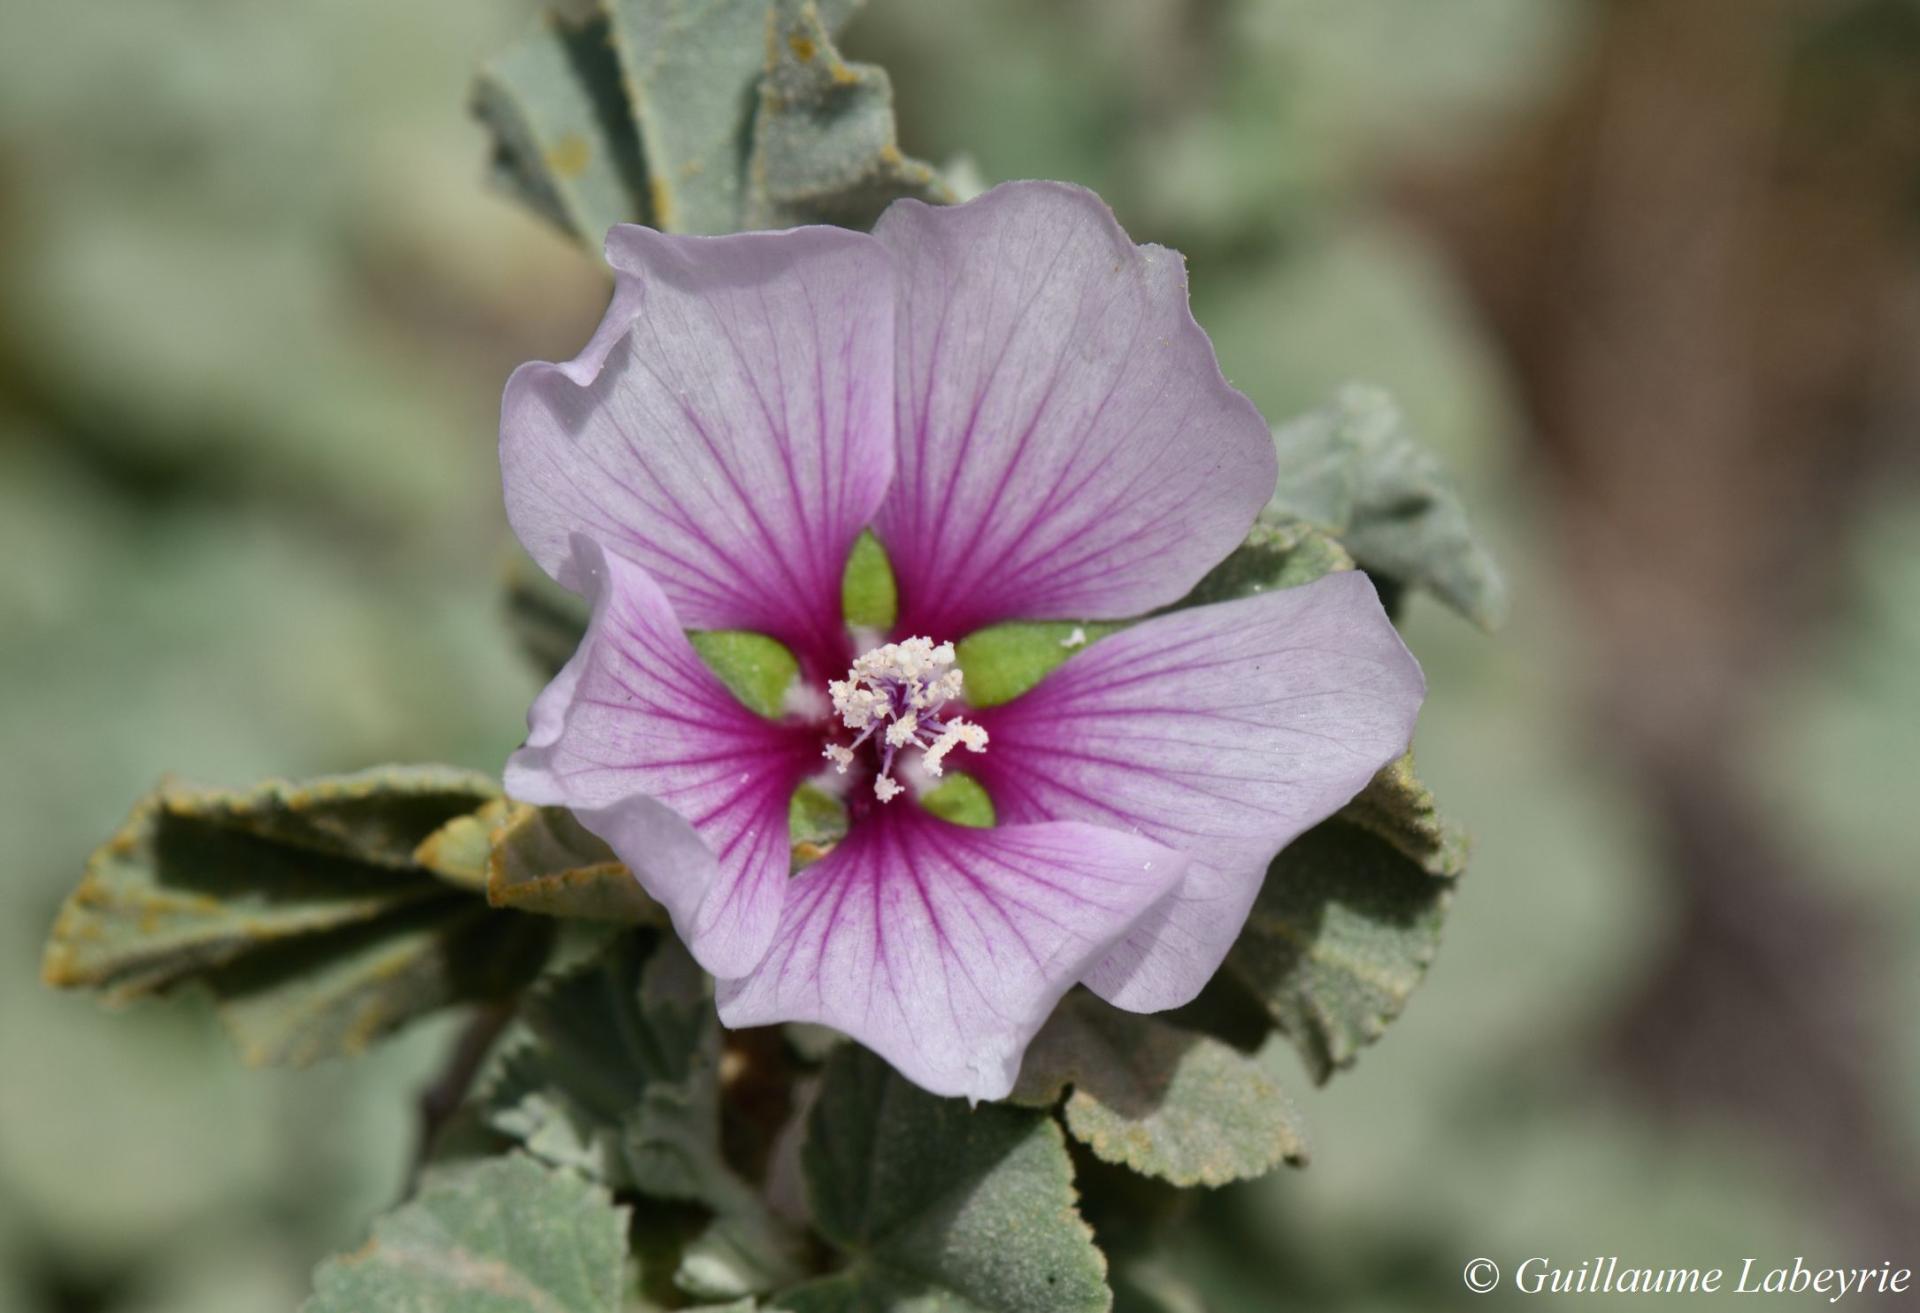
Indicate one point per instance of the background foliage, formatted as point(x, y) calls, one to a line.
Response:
point(254, 314)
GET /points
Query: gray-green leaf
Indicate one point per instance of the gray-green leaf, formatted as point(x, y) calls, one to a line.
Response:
point(1349, 919)
point(618, 1077)
point(698, 116)
point(941, 1206)
point(509, 1236)
point(1279, 552)
point(545, 861)
point(1353, 469)
point(824, 145)
point(334, 995)
point(1169, 1102)
point(564, 143)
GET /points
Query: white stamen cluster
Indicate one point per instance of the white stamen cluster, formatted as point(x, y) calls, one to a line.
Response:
point(898, 690)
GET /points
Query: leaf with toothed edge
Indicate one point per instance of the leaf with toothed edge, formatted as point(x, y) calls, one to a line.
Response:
point(543, 860)
point(695, 116)
point(321, 915)
point(824, 146)
point(1184, 1106)
point(1353, 469)
point(1349, 919)
point(509, 1236)
point(564, 143)
point(941, 1206)
point(616, 1075)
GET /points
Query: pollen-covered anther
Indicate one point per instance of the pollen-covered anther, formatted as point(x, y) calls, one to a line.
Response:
point(902, 687)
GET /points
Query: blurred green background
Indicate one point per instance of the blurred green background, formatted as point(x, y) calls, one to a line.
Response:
point(1644, 271)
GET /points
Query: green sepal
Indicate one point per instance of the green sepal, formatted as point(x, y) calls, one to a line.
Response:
point(960, 799)
point(756, 669)
point(1003, 661)
point(869, 597)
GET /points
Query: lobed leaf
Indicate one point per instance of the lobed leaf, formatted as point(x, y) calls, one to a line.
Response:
point(564, 143)
point(334, 995)
point(544, 861)
point(1349, 919)
point(1165, 1101)
point(695, 116)
point(939, 1205)
point(824, 145)
point(617, 1076)
point(509, 1236)
point(1400, 809)
point(1279, 552)
point(1354, 470)
point(197, 878)
point(460, 851)
point(321, 915)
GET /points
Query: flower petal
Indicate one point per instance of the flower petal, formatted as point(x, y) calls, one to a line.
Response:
point(729, 427)
point(1068, 448)
point(944, 948)
point(1223, 732)
point(653, 754)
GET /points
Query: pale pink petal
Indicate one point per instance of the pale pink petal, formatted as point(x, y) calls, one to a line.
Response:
point(1068, 447)
point(729, 427)
point(942, 948)
point(653, 754)
point(1223, 732)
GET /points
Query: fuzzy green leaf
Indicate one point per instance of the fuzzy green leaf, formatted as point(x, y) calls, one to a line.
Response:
point(510, 1236)
point(824, 146)
point(1168, 1102)
point(1354, 470)
point(695, 116)
point(1349, 919)
point(1279, 552)
point(320, 915)
point(333, 995)
point(1400, 809)
point(941, 1206)
point(197, 878)
point(617, 1076)
point(691, 69)
point(459, 851)
point(545, 861)
point(564, 143)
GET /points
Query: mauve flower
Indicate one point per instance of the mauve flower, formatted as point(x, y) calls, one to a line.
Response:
point(1016, 399)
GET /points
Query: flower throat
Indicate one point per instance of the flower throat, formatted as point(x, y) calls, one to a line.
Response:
point(893, 697)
